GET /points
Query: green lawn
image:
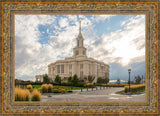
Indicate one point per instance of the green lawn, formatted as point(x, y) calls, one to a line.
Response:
point(36, 86)
point(67, 87)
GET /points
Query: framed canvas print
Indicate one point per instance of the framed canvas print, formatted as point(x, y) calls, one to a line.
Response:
point(79, 57)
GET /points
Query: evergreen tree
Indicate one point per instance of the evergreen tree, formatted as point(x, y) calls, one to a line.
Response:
point(75, 79)
point(99, 80)
point(69, 79)
point(46, 79)
point(58, 79)
point(137, 79)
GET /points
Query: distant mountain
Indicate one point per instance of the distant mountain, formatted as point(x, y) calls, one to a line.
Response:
point(115, 81)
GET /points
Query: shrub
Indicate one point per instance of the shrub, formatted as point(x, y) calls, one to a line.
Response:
point(21, 94)
point(89, 85)
point(59, 90)
point(36, 95)
point(113, 85)
point(81, 84)
point(46, 79)
point(99, 80)
point(75, 80)
point(58, 79)
point(39, 89)
point(69, 84)
point(69, 79)
point(29, 86)
point(55, 91)
point(64, 84)
point(104, 85)
point(50, 87)
point(62, 90)
point(44, 88)
point(102, 80)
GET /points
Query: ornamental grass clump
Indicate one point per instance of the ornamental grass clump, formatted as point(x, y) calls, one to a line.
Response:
point(104, 85)
point(36, 95)
point(44, 88)
point(30, 88)
point(116, 85)
point(89, 85)
point(135, 88)
point(21, 94)
point(50, 87)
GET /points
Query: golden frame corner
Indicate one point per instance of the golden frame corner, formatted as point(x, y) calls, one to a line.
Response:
point(10, 9)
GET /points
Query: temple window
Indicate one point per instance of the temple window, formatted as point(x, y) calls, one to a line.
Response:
point(77, 52)
point(62, 68)
point(58, 68)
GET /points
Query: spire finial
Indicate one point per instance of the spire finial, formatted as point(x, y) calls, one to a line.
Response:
point(79, 26)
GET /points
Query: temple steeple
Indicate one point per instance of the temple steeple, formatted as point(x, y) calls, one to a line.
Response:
point(79, 49)
point(80, 37)
point(79, 27)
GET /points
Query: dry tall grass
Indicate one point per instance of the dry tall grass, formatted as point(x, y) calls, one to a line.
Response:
point(135, 88)
point(29, 86)
point(50, 87)
point(44, 88)
point(112, 85)
point(21, 94)
point(36, 95)
point(89, 85)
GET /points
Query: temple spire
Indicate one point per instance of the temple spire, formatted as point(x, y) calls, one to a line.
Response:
point(79, 49)
point(79, 27)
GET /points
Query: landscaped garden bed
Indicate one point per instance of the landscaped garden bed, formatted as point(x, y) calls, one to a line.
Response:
point(134, 89)
point(27, 94)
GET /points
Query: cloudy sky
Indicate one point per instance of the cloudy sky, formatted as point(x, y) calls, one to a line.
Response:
point(118, 40)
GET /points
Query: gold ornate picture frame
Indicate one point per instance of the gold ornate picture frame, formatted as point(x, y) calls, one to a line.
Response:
point(11, 8)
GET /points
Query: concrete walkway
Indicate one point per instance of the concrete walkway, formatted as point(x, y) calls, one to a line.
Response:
point(107, 94)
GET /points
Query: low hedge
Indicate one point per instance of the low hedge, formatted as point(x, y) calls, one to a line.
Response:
point(79, 84)
point(111, 85)
point(89, 85)
point(59, 90)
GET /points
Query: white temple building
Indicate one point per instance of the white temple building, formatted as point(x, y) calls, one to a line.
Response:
point(78, 64)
